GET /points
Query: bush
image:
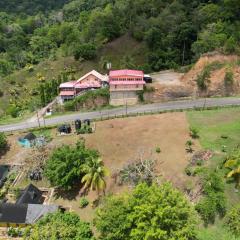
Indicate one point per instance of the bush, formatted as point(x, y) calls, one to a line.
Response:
point(13, 111)
point(194, 133)
point(83, 202)
point(213, 202)
point(204, 77)
point(232, 220)
point(17, 192)
point(140, 95)
point(89, 96)
point(189, 170)
point(3, 142)
point(85, 129)
point(228, 79)
point(158, 150)
point(14, 232)
point(86, 51)
point(69, 106)
point(206, 207)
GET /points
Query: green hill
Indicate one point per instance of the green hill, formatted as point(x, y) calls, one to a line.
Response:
point(46, 36)
point(24, 84)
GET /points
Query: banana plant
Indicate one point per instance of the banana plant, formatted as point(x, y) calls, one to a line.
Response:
point(233, 164)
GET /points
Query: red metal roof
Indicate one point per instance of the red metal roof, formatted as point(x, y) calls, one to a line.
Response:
point(127, 82)
point(67, 93)
point(88, 85)
point(126, 72)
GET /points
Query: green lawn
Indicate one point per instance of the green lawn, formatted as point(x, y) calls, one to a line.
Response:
point(217, 128)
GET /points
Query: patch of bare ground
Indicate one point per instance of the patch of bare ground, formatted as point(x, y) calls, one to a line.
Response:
point(120, 140)
point(16, 154)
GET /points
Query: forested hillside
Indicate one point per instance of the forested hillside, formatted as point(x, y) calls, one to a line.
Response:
point(173, 33)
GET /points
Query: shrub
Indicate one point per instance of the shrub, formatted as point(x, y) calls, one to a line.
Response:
point(83, 202)
point(17, 192)
point(69, 106)
point(206, 207)
point(85, 129)
point(89, 96)
point(232, 220)
point(213, 202)
point(194, 133)
point(13, 111)
point(86, 51)
point(158, 150)
point(189, 170)
point(228, 79)
point(3, 142)
point(140, 95)
point(14, 232)
point(204, 77)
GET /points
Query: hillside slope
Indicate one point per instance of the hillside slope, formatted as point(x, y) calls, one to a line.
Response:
point(220, 73)
point(23, 84)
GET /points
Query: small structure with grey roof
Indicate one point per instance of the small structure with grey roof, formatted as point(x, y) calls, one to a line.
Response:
point(23, 214)
point(30, 195)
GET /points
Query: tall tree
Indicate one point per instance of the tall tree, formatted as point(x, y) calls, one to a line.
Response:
point(149, 212)
point(95, 174)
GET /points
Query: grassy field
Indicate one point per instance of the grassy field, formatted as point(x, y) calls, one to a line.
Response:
point(219, 130)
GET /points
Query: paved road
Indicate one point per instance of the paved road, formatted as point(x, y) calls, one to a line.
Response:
point(157, 107)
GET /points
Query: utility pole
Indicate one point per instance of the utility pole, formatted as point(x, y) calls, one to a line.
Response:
point(204, 104)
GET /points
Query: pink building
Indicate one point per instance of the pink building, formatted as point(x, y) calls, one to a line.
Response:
point(124, 85)
point(92, 80)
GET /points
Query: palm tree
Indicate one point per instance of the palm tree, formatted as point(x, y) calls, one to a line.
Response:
point(95, 172)
point(233, 164)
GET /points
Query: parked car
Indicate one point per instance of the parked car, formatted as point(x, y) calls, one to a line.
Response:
point(147, 78)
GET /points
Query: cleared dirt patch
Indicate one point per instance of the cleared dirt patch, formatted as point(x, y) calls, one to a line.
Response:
point(168, 77)
point(120, 140)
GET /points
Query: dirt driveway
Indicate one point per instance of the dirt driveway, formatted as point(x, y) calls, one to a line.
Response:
point(168, 77)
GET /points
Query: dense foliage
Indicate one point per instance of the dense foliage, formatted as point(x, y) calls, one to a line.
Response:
point(213, 202)
point(149, 212)
point(3, 142)
point(232, 164)
point(233, 220)
point(175, 32)
point(66, 166)
point(89, 99)
point(59, 225)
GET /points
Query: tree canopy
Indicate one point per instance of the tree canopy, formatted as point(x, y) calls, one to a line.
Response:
point(67, 226)
point(175, 32)
point(3, 142)
point(66, 165)
point(150, 212)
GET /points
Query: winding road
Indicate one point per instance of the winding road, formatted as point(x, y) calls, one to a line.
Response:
point(147, 108)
